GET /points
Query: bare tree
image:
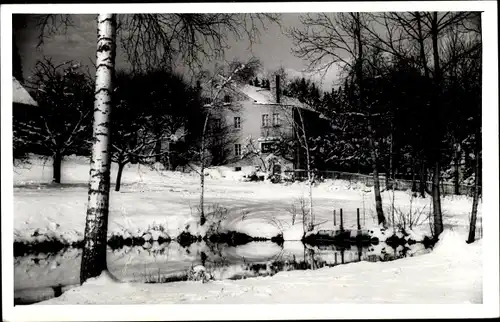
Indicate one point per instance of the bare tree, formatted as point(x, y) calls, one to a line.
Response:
point(217, 86)
point(301, 135)
point(64, 93)
point(337, 39)
point(420, 34)
point(150, 41)
point(251, 150)
point(151, 109)
point(477, 190)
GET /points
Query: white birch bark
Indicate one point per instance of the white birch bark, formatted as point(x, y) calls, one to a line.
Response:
point(215, 105)
point(94, 252)
point(310, 176)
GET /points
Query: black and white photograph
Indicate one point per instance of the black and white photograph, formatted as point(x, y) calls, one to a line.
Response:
point(332, 153)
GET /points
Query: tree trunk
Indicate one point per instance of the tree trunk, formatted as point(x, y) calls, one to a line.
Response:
point(96, 225)
point(421, 41)
point(202, 172)
point(436, 201)
point(57, 158)
point(477, 187)
point(121, 166)
point(376, 182)
point(390, 172)
point(436, 195)
point(371, 142)
point(456, 174)
point(157, 148)
point(423, 180)
point(310, 176)
point(413, 177)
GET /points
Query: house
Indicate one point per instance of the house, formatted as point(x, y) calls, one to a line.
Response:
point(20, 96)
point(262, 121)
point(23, 112)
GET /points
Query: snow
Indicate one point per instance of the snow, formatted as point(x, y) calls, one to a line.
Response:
point(20, 94)
point(157, 203)
point(450, 274)
point(295, 232)
point(263, 96)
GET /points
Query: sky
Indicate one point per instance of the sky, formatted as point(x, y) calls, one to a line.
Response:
point(78, 43)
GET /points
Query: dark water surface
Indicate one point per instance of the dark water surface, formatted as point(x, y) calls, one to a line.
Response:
point(41, 276)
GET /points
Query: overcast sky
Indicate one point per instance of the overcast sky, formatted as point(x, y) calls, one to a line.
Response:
point(79, 44)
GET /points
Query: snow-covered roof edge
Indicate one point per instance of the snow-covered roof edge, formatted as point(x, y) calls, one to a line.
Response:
point(20, 95)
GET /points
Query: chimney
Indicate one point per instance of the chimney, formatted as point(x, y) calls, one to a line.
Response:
point(277, 88)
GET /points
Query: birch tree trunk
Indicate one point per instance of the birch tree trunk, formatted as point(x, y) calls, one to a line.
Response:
point(202, 172)
point(310, 176)
point(96, 225)
point(456, 173)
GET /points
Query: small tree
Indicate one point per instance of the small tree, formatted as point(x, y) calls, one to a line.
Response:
point(337, 39)
point(64, 94)
point(152, 107)
point(251, 150)
point(217, 86)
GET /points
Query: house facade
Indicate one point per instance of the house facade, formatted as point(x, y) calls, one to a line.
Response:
point(258, 121)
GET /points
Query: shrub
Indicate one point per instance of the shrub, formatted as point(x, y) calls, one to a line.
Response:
point(199, 273)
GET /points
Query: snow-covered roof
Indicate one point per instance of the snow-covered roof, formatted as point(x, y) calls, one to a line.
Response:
point(259, 96)
point(20, 95)
point(266, 97)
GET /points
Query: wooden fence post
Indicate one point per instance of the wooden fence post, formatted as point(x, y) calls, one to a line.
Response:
point(341, 220)
point(359, 222)
point(334, 219)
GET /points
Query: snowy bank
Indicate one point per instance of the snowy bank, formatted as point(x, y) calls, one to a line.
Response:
point(162, 204)
point(450, 274)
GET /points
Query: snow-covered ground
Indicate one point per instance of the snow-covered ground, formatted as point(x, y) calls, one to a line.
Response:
point(165, 203)
point(153, 200)
point(450, 274)
point(36, 275)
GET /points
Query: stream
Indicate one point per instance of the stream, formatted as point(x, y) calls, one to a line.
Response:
point(41, 276)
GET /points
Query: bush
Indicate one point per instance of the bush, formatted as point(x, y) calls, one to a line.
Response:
point(216, 215)
point(199, 273)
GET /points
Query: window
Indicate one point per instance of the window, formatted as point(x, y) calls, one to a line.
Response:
point(227, 99)
point(237, 122)
point(265, 120)
point(207, 101)
point(266, 147)
point(237, 149)
point(216, 124)
point(276, 119)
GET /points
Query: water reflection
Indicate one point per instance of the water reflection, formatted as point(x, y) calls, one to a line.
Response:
point(41, 276)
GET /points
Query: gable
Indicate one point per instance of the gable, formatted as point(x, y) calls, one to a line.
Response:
point(20, 95)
